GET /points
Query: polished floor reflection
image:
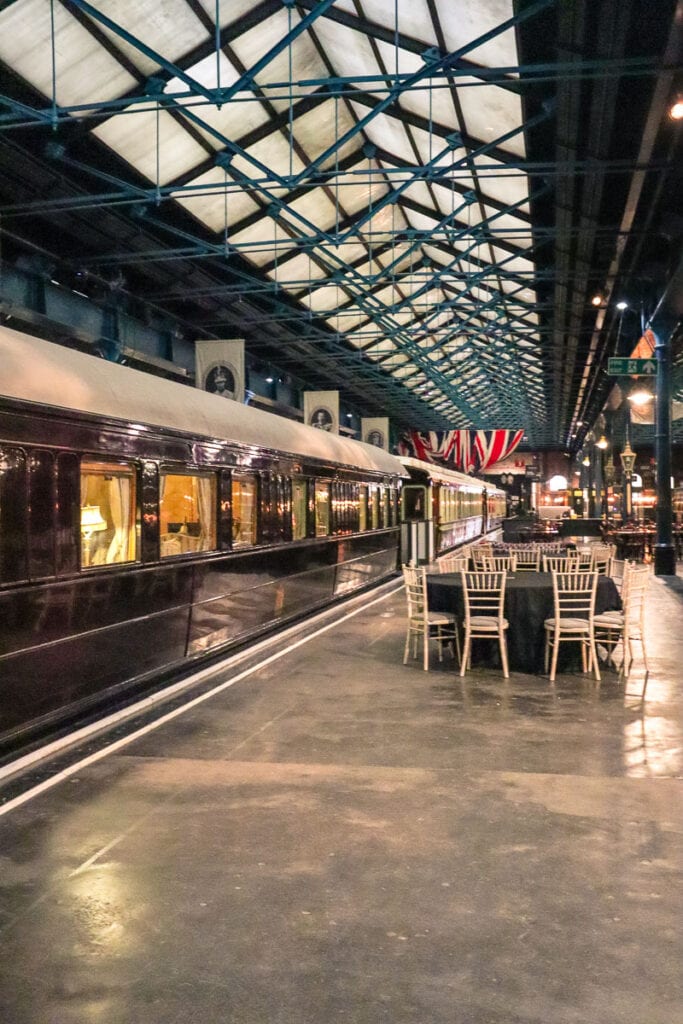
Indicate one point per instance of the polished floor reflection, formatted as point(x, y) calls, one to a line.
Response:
point(340, 837)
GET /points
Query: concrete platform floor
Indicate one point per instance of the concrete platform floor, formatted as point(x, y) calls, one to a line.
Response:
point(340, 838)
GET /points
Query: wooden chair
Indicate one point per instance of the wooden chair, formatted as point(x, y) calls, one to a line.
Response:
point(500, 563)
point(602, 558)
point(528, 560)
point(572, 622)
point(421, 622)
point(479, 552)
point(452, 563)
point(628, 625)
point(484, 596)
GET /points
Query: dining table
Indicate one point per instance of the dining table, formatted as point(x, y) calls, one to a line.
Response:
point(528, 603)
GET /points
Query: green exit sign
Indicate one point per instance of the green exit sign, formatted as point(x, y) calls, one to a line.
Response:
point(632, 367)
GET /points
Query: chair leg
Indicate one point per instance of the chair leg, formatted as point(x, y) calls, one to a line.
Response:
point(425, 649)
point(406, 650)
point(594, 657)
point(456, 632)
point(553, 667)
point(465, 654)
point(504, 654)
point(546, 656)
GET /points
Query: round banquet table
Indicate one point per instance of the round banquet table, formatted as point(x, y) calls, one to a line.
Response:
point(528, 603)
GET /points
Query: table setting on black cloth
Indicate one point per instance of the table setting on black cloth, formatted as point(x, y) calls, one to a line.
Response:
point(528, 603)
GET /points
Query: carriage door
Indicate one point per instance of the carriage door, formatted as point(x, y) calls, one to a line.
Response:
point(417, 535)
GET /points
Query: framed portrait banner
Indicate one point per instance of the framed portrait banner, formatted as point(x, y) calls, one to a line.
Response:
point(219, 368)
point(375, 431)
point(321, 410)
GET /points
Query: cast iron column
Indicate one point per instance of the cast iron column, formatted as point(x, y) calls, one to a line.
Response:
point(665, 554)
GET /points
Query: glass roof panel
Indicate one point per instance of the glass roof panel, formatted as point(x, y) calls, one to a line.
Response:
point(306, 62)
point(319, 129)
point(152, 142)
point(420, 99)
point(229, 11)
point(490, 112)
point(507, 185)
point(468, 20)
point(170, 28)
point(297, 271)
point(210, 207)
point(233, 120)
point(387, 133)
point(349, 52)
point(85, 72)
point(259, 242)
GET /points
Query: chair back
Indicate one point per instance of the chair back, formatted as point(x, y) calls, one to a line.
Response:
point(528, 560)
point(602, 558)
point(574, 594)
point(479, 552)
point(561, 563)
point(415, 582)
point(500, 563)
point(453, 563)
point(484, 594)
point(636, 579)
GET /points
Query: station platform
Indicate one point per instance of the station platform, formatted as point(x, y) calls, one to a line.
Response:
point(329, 835)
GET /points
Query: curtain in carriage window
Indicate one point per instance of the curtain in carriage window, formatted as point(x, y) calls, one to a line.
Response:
point(108, 520)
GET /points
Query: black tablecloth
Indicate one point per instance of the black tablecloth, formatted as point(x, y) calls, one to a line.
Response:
point(528, 603)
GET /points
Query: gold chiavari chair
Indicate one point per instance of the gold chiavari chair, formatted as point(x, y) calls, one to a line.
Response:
point(572, 622)
point(484, 597)
point(423, 623)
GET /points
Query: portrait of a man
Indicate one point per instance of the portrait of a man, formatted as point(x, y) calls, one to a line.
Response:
point(375, 437)
point(220, 380)
point(321, 418)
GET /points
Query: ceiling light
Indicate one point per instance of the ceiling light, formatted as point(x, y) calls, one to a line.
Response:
point(585, 461)
point(602, 443)
point(269, 379)
point(596, 300)
point(676, 109)
point(622, 305)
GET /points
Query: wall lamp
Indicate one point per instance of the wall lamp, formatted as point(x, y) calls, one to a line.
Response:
point(602, 443)
point(640, 396)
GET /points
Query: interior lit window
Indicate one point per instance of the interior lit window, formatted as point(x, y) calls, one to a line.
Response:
point(374, 507)
point(299, 507)
point(244, 497)
point(363, 508)
point(108, 533)
point(322, 508)
point(187, 513)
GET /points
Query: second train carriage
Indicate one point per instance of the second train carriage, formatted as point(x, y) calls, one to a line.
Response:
point(442, 509)
point(145, 524)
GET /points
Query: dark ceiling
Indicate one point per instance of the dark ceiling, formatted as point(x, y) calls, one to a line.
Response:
point(411, 200)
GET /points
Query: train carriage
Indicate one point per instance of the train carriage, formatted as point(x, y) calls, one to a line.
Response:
point(145, 524)
point(442, 509)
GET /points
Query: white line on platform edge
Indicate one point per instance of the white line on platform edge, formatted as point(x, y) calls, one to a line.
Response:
point(169, 716)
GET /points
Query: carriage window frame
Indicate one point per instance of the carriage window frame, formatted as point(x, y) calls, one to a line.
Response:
point(189, 535)
point(322, 489)
point(247, 512)
point(98, 512)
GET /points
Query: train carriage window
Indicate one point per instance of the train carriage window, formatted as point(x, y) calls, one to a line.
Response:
point(299, 507)
point(322, 508)
point(363, 508)
point(386, 512)
point(392, 506)
point(244, 506)
point(187, 513)
point(374, 507)
point(107, 513)
point(13, 515)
